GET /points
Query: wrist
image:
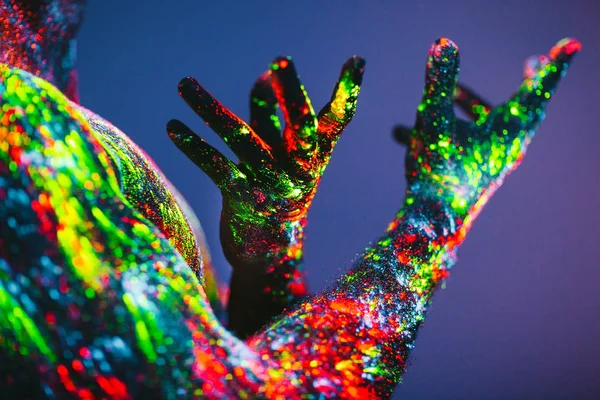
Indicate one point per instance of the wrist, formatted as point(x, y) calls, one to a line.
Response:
point(423, 239)
point(261, 242)
point(431, 213)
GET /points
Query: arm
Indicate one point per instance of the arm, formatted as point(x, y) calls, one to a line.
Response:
point(355, 338)
point(267, 195)
point(95, 301)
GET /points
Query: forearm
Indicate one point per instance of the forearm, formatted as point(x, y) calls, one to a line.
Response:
point(267, 274)
point(361, 330)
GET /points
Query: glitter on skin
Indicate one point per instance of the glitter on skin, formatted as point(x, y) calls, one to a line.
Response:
point(266, 197)
point(363, 327)
point(97, 303)
point(98, 275)
point(39, 37)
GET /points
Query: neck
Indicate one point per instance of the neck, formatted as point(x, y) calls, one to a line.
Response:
point(39, 37)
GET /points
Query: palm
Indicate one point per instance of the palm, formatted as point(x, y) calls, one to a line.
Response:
point(267, 194)
point(456, 161)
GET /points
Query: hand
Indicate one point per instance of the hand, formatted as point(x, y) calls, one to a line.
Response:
point(457, 164)
point(266, 196)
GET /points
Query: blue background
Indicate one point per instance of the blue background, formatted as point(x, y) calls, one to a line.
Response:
point(519, 318)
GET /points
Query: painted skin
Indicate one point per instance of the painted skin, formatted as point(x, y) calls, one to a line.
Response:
point(97, 302)
point(267, 195)
point(94, 296)
point(39, 37)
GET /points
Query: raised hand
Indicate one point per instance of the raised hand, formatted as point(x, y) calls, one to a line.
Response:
point(97, 303)
point(356, 337)
point(267, 194)
point(455, 163)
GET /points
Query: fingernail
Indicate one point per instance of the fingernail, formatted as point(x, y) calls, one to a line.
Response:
point(567, 47)
point(443, 51)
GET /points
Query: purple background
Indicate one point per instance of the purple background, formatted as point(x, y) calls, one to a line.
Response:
point(519, 318)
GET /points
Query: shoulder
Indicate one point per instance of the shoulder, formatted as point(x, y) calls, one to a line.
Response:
point(19, 87)
point(33, 103)
point(36, 117)
point(43, 135)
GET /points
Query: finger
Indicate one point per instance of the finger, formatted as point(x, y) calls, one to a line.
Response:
point(240, 138)
point(219, 168)
point(300, 132)
point(440, 82)
point(470, 103)
point(263, 112)
point(477, 108)
point(334, 117)
point(527, 107)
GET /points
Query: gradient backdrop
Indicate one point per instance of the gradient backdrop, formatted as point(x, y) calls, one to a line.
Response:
point(519, 318)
